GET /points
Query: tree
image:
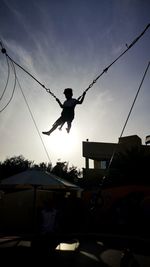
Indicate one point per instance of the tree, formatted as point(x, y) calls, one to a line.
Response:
point(19, 164)
point(14, 165)
point(74, 174)
point(43, 166)
point(62, 170)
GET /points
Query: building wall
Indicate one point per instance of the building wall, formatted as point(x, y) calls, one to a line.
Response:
point(101, 154)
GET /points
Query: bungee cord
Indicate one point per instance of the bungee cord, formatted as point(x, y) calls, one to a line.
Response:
point(135, 98)
point(3, 50)
point(106, 69)
point(7, 80)
point(25, 99)
point(35, 124)
point(13, 91)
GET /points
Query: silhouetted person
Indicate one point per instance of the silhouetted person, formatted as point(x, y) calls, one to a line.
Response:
point(48, 226)
point(67, 114)
point(48, 218)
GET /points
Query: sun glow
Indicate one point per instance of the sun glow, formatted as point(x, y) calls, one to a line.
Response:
point(62, 143)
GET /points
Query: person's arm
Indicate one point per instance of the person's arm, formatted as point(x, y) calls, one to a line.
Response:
point(80, 100)
point(60, 104)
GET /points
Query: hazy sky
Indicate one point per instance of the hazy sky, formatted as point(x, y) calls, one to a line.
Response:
point(68, 43)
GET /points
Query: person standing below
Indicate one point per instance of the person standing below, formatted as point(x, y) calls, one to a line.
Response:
point(48, 218)
point(67, 114)
point(48, 228)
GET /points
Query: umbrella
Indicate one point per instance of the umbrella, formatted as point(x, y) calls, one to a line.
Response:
point(40, 179)
point(36, 180)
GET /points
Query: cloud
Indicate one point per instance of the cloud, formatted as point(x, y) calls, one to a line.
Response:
point(20, 53)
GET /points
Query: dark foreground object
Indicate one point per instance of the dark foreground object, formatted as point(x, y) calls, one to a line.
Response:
point(103, 250)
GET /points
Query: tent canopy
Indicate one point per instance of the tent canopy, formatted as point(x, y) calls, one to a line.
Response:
point(37, 178)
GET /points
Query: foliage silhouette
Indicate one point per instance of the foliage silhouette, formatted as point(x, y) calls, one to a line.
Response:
point(17, 164)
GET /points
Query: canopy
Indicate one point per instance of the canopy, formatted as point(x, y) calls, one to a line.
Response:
point(36, 178)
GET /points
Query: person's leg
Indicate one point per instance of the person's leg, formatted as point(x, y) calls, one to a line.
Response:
point(61, 125)
point(69, 126)
point(55, 125)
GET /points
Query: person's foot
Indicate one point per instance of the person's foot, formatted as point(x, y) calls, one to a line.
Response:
point(47, 133)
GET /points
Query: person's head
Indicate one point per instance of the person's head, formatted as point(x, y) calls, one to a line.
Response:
point(68, 93)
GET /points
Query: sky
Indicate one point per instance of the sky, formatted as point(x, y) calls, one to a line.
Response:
point(68, 43)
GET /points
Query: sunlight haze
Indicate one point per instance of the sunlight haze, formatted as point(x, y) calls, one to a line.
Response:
point(68, 44)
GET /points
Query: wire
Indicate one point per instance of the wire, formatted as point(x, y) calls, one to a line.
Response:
point(7, 80)
point(131, 110)
point(95, 80)
point(25, 99)
point(16, 79)
point(106, 69)
point(135, 99)
point(13, 91)
point(47, 90)
point(3, 50)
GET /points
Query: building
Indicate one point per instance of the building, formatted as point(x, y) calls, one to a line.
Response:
point(102, 153)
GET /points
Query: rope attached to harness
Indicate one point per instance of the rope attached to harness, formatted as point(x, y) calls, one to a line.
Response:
point(3, 50)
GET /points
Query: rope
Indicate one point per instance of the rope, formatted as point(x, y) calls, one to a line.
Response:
point(131, 109)
point(13, 91)
point(16, 79)
point(25, 99)
point(135, 99)
point(47, 90)
point(7, 80)
point(3, 50)
point(106, 69)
